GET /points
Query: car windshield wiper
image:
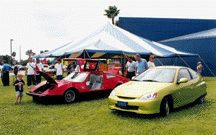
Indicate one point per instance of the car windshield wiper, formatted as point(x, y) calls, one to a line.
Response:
point(150, 80)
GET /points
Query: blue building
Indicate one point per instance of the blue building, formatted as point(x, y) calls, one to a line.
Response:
point(192, 35)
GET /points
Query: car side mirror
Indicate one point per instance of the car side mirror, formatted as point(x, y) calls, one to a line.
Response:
point(133, 77)
point(183, 80)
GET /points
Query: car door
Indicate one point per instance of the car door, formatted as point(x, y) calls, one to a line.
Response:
point(198, 90)
point(184, 91)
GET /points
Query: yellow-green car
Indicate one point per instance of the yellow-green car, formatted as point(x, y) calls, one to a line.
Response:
point(158, 90)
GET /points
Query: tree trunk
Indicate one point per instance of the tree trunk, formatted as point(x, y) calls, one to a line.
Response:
point(113, 20)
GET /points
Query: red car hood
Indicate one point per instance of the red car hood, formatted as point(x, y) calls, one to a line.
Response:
point(47, 77)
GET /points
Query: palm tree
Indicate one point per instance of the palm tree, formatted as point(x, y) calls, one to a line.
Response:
point(44, 51)
point(30, 53)
point(13, 54)
point(112, 12)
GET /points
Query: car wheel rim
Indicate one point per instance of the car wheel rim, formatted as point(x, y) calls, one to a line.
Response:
point(201, 100)
point(167, 108)
point(70, 96)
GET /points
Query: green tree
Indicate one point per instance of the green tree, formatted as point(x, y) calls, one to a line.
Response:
point(117, 23)
point(44, 51)
point(24, 62)
point(112, 12)
point(13, 54)
point(48, 62)
point(30, 53)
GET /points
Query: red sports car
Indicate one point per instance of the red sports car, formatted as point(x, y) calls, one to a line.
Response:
point(88, 79)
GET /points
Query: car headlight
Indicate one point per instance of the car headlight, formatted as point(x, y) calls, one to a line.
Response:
point(112, 94)
point(149, 96)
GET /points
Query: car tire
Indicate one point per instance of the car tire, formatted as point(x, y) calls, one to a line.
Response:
point(201, 100)
point(35, 99)
point(70, 96)
point(165, 107)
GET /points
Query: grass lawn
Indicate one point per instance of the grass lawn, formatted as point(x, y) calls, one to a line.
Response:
point(92, 116)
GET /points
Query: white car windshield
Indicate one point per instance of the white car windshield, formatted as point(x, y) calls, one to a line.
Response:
point(76, 77)
point(164, 75)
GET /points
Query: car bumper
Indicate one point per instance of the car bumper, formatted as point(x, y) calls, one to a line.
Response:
point(136, 106)
point(41, 96)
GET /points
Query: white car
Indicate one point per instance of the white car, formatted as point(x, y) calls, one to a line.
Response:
point(50, 69)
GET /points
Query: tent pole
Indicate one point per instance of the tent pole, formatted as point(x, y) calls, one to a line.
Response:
point(88, 54)
point(206, 65)
point(183, 60)
point(158, 60)
point(124, 69)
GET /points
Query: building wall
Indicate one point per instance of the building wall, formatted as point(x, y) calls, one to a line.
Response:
point(205, 47)
point(157, 29)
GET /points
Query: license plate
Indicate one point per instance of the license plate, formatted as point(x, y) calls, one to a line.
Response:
point(122, 104)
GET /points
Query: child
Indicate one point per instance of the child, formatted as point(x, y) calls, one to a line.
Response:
point(19, 87)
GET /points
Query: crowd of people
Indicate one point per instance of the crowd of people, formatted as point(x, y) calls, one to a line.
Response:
point(135, 68)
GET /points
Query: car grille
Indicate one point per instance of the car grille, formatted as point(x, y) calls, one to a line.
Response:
point(126, 97)
point(128, 107)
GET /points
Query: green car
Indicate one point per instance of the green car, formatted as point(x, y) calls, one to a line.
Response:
point(159, 90)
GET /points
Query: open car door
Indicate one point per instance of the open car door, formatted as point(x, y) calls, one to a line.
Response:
point(93, 64)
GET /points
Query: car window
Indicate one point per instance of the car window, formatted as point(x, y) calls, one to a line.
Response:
point(164, 75)
point(76, 77)
point(193, 73)
point(183, 73)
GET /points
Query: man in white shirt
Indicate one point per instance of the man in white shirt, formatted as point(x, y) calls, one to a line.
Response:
point(30, 72)
point(38, 67)
point(59, 69)
point(130, 68)
point(151, 61)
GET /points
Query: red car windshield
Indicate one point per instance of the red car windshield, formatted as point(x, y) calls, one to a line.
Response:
point(76, 77)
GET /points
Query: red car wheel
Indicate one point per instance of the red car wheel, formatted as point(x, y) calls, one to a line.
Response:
point(69, 96)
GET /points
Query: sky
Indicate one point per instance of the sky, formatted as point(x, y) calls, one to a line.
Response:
point(47, 24)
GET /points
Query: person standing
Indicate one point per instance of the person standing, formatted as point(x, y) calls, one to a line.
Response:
point(69, 68)
point(30, 72)
point(151, 61)
point(141, 64)
point(38, 67)
point(2, 75)
point(130, 68)
point(16, 71)
point(199, 68)
point(6, 68)
point(19, 88)
point(59, 69)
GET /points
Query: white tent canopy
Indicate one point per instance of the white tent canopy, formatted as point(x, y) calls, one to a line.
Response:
point(112, 40)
